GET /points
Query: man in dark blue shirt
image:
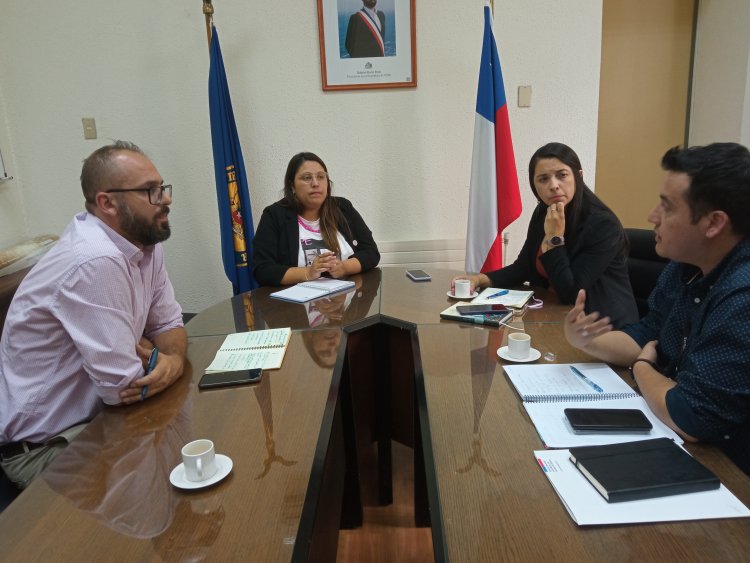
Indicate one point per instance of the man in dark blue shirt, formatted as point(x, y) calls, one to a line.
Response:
point(690, 355)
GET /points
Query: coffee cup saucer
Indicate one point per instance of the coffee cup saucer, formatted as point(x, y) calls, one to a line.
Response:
point(472, 296)
point(223, 468)
point(533, 356)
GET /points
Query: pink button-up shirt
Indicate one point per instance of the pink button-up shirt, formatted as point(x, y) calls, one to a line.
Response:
point(68, 344)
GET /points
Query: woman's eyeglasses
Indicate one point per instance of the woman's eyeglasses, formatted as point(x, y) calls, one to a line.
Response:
point(308, 178)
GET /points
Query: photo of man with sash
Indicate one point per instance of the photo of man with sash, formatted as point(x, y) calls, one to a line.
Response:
point(365, 35)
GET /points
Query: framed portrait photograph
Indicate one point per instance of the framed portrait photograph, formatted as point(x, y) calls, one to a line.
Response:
point(367, 44)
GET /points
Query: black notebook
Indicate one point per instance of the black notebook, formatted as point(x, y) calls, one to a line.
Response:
point(642, 469)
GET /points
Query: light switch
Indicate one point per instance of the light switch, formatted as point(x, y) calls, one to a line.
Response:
point(89, 127)
point(524, 96)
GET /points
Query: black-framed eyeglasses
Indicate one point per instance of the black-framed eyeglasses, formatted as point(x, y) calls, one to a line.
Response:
point(155, 194)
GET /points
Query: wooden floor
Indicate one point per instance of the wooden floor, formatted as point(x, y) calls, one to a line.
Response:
point(388, 533)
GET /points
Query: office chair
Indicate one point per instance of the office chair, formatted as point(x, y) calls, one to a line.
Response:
point(644, 265)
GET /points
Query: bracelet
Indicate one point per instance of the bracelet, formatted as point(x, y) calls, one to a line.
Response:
point(307, 269)
point(644, 360)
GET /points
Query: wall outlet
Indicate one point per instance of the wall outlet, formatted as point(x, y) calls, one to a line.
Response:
point(89, 127)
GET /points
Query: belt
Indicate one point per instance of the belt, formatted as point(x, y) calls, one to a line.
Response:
point(17, 448)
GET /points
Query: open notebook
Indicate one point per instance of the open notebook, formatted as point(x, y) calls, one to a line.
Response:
point(513, 299)
point(552, 383)
point(263, 349)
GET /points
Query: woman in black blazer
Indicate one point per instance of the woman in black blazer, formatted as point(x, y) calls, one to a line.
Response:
point(309, 232)
point(574, 241)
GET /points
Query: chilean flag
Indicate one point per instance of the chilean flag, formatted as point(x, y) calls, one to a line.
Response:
point(494, 199)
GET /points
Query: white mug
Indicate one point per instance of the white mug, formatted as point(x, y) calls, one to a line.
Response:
point(462, 288)
point(199, 459)
point(519, 345)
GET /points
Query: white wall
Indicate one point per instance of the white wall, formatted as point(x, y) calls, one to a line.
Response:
point(403, 156)
point(721, 77)
point(13, 224)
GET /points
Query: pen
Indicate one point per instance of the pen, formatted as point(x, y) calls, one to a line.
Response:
point(498, 294)
point(587, 380)
point(151, 366)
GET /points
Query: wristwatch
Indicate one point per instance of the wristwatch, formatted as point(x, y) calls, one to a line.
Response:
point(556, 241)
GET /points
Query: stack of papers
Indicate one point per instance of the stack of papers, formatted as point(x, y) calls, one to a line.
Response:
point(555, 430)
point(586, 506)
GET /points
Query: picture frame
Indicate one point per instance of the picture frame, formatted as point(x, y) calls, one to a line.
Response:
point(361, 49)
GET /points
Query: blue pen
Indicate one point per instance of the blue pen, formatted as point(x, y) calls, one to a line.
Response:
point(498, 294)
point(151, 366)
point(587, 380)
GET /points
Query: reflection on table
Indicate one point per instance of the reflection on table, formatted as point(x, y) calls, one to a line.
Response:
point(258, 310)
point(108, 496)
point(362, 370)
point(482, 444)
point(379, 292)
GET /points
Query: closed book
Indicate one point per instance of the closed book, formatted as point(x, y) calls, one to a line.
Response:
point(642, 469)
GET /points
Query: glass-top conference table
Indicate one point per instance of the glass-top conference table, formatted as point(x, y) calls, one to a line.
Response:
point(362, 369)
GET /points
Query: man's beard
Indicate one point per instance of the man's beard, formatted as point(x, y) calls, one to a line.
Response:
point(140, 230)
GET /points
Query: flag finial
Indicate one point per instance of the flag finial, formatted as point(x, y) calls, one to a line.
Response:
point(208, 11)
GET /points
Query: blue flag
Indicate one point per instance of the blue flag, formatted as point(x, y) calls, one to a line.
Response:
point(235, 214)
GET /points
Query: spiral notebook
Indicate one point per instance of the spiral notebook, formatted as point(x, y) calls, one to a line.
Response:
point(553, 383)
point(315, 289)
point(263, 349)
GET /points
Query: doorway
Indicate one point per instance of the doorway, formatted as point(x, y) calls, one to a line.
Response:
point(643, 100)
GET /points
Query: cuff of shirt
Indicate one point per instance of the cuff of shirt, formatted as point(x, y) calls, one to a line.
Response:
point(638, 333)
point(682, 414)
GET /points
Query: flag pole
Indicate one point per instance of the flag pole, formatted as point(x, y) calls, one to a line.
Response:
point(208, 11)
point(232, 191)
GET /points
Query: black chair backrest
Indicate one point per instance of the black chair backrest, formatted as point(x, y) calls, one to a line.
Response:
point(644, 265)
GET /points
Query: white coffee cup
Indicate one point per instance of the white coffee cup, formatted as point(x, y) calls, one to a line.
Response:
point(199, 459)
point(462, 288)
point(519, 345)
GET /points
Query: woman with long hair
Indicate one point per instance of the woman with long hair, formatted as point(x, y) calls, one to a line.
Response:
point(574, 241)
point(309, 232)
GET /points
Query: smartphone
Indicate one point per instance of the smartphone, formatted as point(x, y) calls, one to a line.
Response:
point(418, 275)
point(479, 309)
point(624, 421)
point(229, 378)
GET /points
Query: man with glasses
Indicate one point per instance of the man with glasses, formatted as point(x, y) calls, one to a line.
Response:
point(95, 322)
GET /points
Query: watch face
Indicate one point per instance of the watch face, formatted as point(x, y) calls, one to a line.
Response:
point(556, 241)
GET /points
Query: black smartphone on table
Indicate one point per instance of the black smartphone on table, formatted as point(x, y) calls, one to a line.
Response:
point(229, 378)
point(482, 308)
point(418, 275)
point(623, 421)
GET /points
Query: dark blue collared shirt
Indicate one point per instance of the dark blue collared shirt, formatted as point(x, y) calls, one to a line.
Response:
point(703, 328)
